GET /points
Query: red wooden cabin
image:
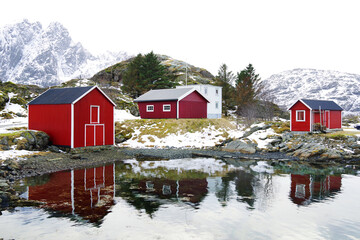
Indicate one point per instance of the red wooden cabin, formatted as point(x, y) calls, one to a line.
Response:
point(305, 113)
point(74, 117)
point(172, 103)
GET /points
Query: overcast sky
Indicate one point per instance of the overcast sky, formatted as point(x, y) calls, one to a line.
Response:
point(273, 35)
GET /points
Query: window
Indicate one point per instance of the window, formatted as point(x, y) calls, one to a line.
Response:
point(149, 108)
point(94, 114)
point(205, 90)
point(166, 108)
point(217, 105)
point(217, 91)
point(300, 116)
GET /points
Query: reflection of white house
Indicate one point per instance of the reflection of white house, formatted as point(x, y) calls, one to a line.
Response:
point(211, 93)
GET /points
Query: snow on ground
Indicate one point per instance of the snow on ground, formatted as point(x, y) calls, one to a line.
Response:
point(121, 115)
point(208, 137)
point(6, 124)
point(15, 154)
point(260, 137)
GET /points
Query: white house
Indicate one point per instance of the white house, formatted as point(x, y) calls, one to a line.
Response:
point(211, 93)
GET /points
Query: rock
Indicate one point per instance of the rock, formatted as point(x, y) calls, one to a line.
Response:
point(33, 140)
point(54, 149)
point(240, 146)
point(5, 141)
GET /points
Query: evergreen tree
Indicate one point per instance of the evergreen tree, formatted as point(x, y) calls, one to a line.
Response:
point(248, 89)
point(131, 79)
point(145, 73)
point(225, 79)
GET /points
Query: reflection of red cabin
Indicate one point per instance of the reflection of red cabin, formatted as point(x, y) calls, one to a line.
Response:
point(305, 188)
point(172, 103)
point(88, 193)
point(304, 113)
point(74, 117)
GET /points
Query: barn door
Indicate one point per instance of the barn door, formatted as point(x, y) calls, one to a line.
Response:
point(94, 134)
point(327, 119)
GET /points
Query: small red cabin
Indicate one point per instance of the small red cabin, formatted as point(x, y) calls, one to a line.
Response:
point(305, 113)
point(74, 117)
point(172, 103)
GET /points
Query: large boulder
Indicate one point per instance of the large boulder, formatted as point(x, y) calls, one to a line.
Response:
point(33, 140)
point(240, 146)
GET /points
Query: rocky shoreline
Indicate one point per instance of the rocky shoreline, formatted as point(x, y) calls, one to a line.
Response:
point(310, 148)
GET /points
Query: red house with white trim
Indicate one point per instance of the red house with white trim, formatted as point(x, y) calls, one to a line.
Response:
point(172, 103)
point(304, 113)
point(74, 117)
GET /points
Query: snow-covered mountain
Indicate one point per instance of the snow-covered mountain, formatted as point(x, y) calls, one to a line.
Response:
point(343, 88)
point(31, 54)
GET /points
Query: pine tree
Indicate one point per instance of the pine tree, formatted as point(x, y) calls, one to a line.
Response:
point(131, 79)
point(225, 79)
point(145, 73)
point(248, 89)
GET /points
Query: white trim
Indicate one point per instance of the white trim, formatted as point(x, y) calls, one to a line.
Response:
point(189, 92)
point(167, 105)
point(94, 133)
point(177, 109)
point(302, 103)
point(113, 127)
point(327, 111)
point(290, 121)
point(79, 98)
point(147, 108)
point(72, 126)
point(311, 120)
point(296, 115)
point(98, 113)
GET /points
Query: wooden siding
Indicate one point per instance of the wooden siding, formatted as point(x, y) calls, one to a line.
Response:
point(99, 133)
point(296, 125)
point(193, 106)
point(158, 109)
point(55, 120)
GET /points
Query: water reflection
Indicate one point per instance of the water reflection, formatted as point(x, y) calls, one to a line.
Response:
point(309, 188)
point(87, 193)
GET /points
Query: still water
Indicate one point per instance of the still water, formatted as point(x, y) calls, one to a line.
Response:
point(200, 198)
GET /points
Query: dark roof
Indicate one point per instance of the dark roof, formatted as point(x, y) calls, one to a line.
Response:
point(172, 94)
point(321, 104)
point(60, 95)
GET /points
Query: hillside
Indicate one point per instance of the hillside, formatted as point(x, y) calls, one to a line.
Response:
point(195, 75)
point(295, 84)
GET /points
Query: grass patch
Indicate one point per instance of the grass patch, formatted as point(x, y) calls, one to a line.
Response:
point(164, 127)
point(340, 135)
point(280, 127)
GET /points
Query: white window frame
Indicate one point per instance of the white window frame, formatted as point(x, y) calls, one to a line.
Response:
point(296, 115)
point(166, 110)
point(98, 113)
point(149, 110)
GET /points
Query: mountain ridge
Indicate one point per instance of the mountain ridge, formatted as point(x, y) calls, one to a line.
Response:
point(31, 54)
point(291, 85)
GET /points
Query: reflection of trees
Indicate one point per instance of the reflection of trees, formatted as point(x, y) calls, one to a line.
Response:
point(149, 193)
point(248, 186)
point(243, 181)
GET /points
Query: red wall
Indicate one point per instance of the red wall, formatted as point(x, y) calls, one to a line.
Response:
point(55, 120)
point(193, 106)
point(82, 117)
point(300, 126)
point(335, 119)
point(158, 110)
